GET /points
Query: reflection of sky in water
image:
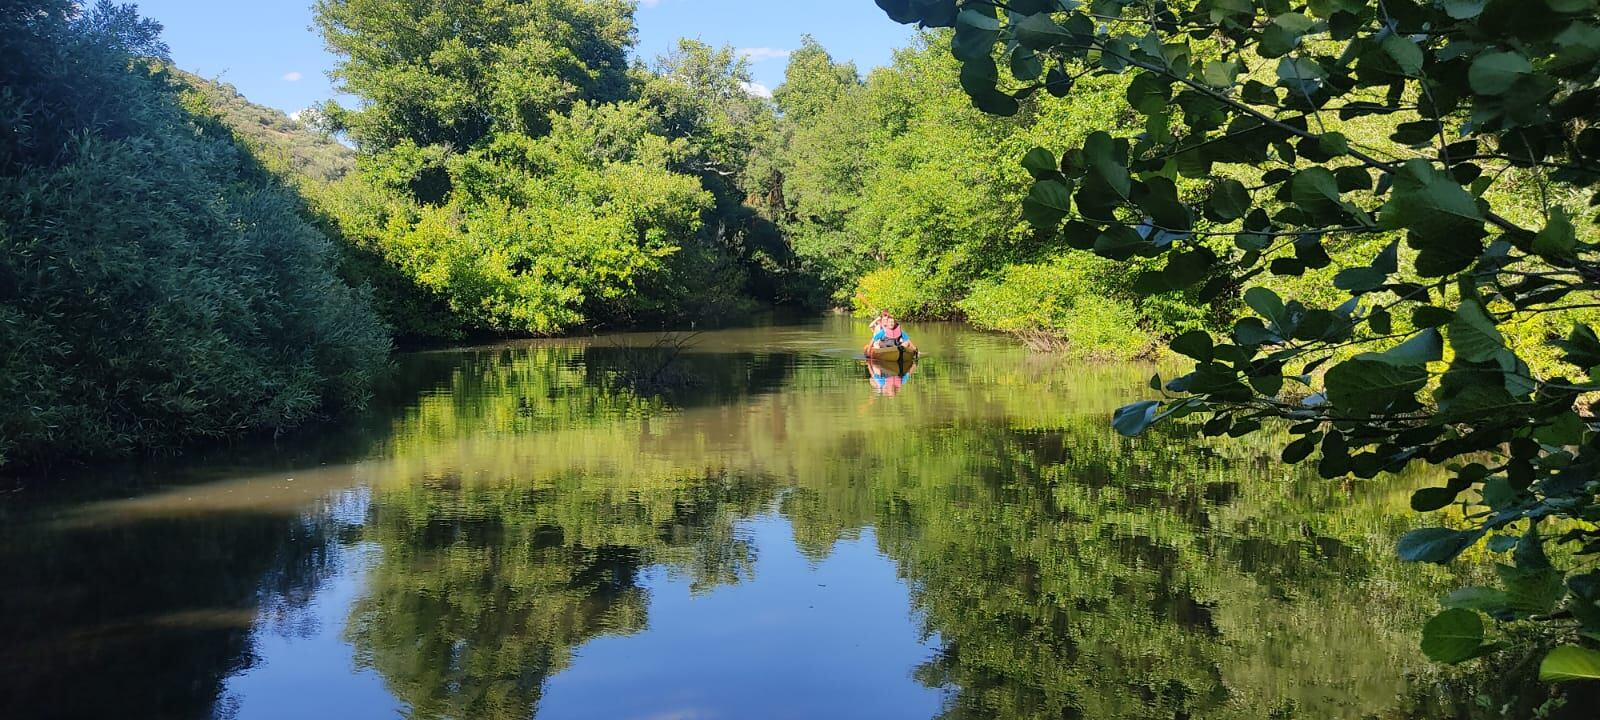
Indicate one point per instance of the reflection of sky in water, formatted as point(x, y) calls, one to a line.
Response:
point(831, 639)
point(312, 675)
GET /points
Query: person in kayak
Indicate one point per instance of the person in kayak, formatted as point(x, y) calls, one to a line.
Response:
point(879, 321)
point(889, 334)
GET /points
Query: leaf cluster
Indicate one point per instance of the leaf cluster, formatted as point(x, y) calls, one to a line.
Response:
point(1254, 161)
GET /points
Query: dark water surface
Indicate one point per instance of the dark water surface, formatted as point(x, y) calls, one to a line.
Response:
point(555, 529)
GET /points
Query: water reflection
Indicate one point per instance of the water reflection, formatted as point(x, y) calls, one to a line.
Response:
point(532, 530)
point(889, 377)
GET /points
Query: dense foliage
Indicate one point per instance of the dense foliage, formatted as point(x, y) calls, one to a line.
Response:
point(899, 194)
point(1257, 157)
point(515, 170)
point(156, 283)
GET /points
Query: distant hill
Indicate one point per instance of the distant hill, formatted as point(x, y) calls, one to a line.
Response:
point(281, 142)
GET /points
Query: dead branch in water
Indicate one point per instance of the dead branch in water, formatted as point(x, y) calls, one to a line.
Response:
point(657, 368)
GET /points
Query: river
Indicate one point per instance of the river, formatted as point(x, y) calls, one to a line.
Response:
point(763, 529)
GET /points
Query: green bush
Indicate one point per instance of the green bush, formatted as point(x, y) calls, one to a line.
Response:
point(900, 291)
point(1061, 300)
point(156, 284)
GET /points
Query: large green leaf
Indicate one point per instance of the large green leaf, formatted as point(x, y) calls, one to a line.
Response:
point(1435, 545)
point(1158, 198)
point(1558, 239)
point(1039, 162)
point(1570, 662)
point(1220, 73)
point(1195, 344)
point(1047, 204)
point(1266, 303)
point(1531, 591)
point(1316, 191)
point(1493, 73)
point(1443, 221)
point(1463, 9)
point(1229, 201)
point(1133, 419)
point(1368, 384)
point(1473, 334)
point(1483, 599)
point(1039, 32)
point(1425, 347)
point(1453, 636)
point(1405, 53)
point(1283, 33)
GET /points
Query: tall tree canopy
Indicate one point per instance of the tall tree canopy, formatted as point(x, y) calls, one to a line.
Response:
point(515, 170)
point(451, 73)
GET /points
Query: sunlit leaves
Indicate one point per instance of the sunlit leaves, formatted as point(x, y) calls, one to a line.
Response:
point(1570, 662)
point(1434, 155)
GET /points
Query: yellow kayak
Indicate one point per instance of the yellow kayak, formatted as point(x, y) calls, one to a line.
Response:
point(893, 353)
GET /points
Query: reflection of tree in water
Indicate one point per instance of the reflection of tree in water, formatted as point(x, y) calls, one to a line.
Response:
point(482, 592)
point(1070, 574)
point(146, 618)
point(1067, 572)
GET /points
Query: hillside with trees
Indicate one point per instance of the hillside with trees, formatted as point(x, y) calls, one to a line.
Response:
point(291, 145)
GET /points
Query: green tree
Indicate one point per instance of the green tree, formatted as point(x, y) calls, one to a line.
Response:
point(453, 73)
point(156, 282)
point(1280, 135)
point(517, 172)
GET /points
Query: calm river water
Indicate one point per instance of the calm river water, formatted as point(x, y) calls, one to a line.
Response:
point(531, 530)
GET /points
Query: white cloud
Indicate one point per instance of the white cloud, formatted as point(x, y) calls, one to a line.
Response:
point(756, 89)
point(293, 76)
point(757, 54)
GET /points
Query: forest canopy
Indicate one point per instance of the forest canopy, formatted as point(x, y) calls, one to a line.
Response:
point(516, 168)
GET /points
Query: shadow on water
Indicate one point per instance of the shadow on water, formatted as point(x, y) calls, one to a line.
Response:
point(513, 531)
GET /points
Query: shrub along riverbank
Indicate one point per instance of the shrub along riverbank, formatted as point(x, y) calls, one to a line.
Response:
point(156, 283)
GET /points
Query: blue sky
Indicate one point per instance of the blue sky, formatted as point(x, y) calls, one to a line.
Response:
point(267, 49)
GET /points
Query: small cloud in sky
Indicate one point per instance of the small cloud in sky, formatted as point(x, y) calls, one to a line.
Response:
point(757, 54)
point(756, 89)
point(293, 76)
